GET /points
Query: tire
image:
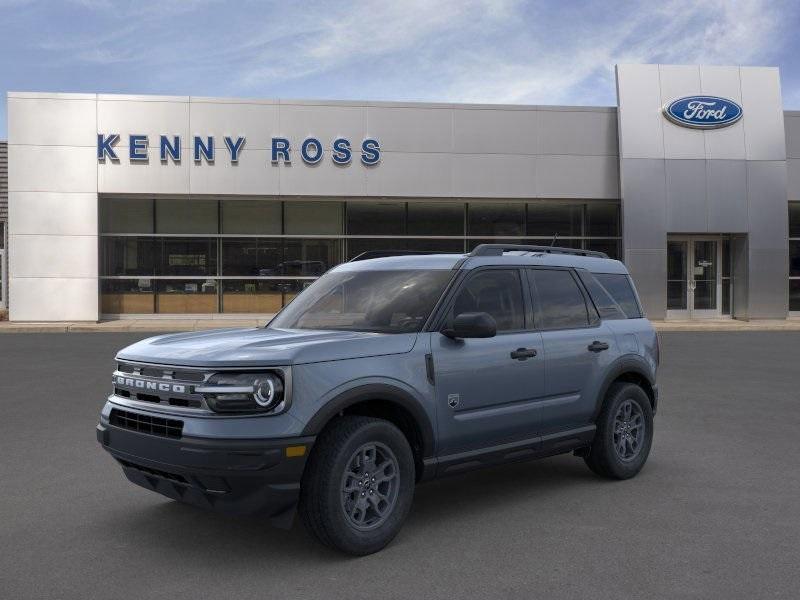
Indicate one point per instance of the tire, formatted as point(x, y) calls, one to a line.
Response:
point(343, 507)
point(611, 454)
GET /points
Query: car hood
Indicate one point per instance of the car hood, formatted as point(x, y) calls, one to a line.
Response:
point(263, 347)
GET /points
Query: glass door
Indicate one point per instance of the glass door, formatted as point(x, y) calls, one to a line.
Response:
point(705, 281)
point(677, 279)
point(694, 284)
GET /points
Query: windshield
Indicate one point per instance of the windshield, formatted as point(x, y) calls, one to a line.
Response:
point(379, 301)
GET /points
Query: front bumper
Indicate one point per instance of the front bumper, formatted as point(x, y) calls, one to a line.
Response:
point(238, 477)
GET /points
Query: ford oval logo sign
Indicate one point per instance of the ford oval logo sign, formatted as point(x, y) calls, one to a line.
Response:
point(703, 112)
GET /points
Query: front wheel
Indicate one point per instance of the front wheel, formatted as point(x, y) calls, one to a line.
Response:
point(358, 486)
point(624, 433)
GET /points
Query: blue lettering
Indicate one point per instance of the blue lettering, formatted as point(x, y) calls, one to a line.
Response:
point(137, 147)
point(105, 146)
point(234, 147)
point(173, 150)
point(309, 158)
point(207, 149)
point(341, 151)
point(280, 149)
point(370, 151)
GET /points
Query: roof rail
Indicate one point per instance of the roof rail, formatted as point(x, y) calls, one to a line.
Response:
point(499, 249)
point(384, 253)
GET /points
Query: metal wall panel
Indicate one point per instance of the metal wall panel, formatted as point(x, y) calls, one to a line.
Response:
point(740, 271)
point(583, 133)
point(639, 100)
point(411, 174)
point(53, 256)
point(769, 212)
point(728, 142)
point(649, 270)
point(144, 177)
point(253, 174)
point(3, 181)
point(791, 121)
point(153, 117)
point(677, 82)
point(323, 179)
point(258, 121)
point(793, 174)
point(577, 177)
point(762, 108)
point(411, 129)
point(495, 131)
point(727, 196)
point(53, 298)
point(326, 123)
point(644, 207)
point(53, 213)
point(768, 284)
point(686, 196)
point(51, 168)
point(52, 122)
point(488, 175)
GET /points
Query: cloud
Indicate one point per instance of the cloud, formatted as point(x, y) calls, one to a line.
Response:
point(503, 51)
point(335, 36)
point(682, 32)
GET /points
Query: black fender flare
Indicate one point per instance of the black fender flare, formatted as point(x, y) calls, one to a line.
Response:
point(625, 364)
point(376, 391)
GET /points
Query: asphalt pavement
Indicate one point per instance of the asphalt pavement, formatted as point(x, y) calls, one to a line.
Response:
point(715, 514)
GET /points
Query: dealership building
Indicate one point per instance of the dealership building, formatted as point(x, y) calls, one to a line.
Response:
point(144, 206)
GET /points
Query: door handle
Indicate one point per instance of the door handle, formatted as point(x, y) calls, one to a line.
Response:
point(523, 353)
point(596, 346)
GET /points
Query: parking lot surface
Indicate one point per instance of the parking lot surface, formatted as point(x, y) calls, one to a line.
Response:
point(714, 514)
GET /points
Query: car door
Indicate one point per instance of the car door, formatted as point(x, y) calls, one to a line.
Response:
point(578, 348)
point(486, 388)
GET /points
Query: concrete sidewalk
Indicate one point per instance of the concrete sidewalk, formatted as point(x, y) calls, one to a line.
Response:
point(174, 325)
point(117, 326)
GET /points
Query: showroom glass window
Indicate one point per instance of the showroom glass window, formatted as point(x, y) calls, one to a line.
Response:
point(794, 257)
point(254, 255)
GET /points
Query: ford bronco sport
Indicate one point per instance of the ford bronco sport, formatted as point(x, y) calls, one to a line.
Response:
point(386, 372)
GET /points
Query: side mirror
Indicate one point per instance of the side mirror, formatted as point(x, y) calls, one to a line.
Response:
point(472, 325)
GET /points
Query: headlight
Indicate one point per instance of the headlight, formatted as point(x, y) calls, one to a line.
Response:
point(243, 392)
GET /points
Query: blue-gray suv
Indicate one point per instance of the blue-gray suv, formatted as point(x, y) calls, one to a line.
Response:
point(386, 372)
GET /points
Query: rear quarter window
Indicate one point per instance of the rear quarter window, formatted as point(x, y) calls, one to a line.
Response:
point(620, 288)
point(607, 307)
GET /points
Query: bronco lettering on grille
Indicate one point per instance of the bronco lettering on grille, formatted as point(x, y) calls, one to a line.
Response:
point(144, 384)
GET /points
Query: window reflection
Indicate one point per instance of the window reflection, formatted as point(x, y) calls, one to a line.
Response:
point(243, 255)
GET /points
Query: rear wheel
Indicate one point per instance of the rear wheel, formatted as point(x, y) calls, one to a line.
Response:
point(624, 433)
point(358, 486)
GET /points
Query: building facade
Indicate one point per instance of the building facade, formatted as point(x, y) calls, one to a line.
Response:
point(130, 206)
point(3, 223)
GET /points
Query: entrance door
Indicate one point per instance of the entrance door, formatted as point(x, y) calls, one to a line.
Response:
point(694, 285)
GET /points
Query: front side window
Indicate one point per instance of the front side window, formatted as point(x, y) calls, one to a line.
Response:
point(497, 292)
point(394, 301)
point(619, 286)
point(560, 302)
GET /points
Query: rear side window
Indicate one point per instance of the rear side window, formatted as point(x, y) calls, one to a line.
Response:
point(559, 301)
point(497, 292)
point(621, 290)
point(606, 305)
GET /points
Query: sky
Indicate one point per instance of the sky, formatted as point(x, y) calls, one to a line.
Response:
point(495, 51)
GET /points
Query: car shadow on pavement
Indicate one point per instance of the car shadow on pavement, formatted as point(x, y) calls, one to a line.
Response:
point(173, 528)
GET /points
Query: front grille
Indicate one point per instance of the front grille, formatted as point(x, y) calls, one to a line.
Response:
point(162, 372)
point(168, 428)
point(160, 385)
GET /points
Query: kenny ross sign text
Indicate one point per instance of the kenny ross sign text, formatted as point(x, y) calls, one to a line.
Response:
point(204, 149)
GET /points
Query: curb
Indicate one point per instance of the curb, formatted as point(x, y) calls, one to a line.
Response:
point(183, 325)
